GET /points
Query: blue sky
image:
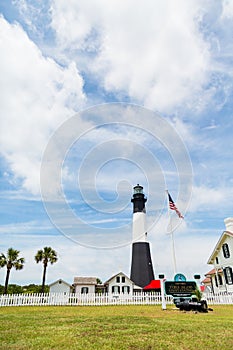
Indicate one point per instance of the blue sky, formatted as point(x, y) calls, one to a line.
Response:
point(168, 67)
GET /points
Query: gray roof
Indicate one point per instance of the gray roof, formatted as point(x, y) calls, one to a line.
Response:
point(60, 281)
point(85, 280)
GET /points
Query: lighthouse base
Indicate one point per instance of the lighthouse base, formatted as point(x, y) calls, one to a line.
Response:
point(141, 267)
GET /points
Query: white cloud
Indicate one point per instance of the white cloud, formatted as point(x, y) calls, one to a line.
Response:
point(25, 227)
point(227, 11)
point(152, 52)
point(192, 251)
point(186, 131)
point(208, 198)
point(37, 95)
point(192, 248)
point(73, 260)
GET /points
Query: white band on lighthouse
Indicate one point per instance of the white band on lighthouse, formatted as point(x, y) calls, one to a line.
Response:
point(139, 227)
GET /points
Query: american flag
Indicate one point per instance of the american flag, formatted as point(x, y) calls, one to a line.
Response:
point(172, 206)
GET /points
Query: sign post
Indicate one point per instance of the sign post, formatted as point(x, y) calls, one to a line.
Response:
point(164, 306)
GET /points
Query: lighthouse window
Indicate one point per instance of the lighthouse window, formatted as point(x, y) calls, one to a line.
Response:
point(225, 249)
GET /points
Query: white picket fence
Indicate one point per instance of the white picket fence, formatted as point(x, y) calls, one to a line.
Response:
point(218, 299)
point(100, 299)
point(81, 299)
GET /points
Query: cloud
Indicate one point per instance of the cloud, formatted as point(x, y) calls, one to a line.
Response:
point(227, 11)
point(192, 251)
point(73, 260)
point(193, 246)
point(28, 227)
point(205, 198)
point(154, 52)
point(37, 95)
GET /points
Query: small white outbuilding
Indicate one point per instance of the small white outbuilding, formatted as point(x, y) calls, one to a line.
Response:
point(60, 286)
point(85, 285)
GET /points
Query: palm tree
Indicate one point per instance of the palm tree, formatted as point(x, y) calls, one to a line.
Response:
point(46, 255)
point(10, 260)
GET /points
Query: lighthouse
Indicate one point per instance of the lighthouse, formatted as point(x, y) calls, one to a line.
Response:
point(141, 266)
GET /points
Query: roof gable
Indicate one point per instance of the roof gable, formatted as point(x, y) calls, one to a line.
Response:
point(59, 281)
point(116, 275)
point(218, 246)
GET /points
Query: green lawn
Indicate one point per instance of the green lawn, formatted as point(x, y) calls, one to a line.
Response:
point(114, 327)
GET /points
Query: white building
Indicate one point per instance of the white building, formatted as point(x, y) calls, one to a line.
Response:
point(60, 286)
point(221, 277)
point(85, 285)
point(119, 284)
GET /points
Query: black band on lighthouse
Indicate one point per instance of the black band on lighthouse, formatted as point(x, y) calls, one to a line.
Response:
point(141, 267)
point(138, 200)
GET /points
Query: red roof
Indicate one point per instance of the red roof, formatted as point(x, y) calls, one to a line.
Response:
point(206, 280)
point(212, 272)
point(154, 284)
point(202, 288)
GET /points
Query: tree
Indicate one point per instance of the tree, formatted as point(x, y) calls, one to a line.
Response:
point(46, 255)
point(14, 289)
point(34, 288)
point(198, 294)
point(10, 260)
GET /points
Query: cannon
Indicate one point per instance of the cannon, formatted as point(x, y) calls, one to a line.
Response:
point(191, 304)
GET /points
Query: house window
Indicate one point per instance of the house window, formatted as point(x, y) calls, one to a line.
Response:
point(228, 275)
point(115, 289)
point(217, 262)
point(225, 249)
point(216, 280)
point(123, 279)
point(84, 290)
point(220, 280)
point(118, 279)
point(125, 289)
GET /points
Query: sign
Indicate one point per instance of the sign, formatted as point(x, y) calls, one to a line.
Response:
point(179, 277)
point(180, 289)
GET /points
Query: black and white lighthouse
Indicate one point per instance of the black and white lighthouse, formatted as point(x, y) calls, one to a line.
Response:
point(141, 266)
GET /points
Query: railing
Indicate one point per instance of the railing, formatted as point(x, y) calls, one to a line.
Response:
point(81, 299)
point(218, 299)
point(100, 299)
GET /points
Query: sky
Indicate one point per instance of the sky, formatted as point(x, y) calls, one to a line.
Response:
point(97, 96)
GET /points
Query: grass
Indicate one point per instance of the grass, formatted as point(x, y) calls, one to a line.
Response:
point(114, 327)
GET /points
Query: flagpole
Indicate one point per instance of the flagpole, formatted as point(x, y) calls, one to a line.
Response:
point(172, 240)
point(173, 252)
